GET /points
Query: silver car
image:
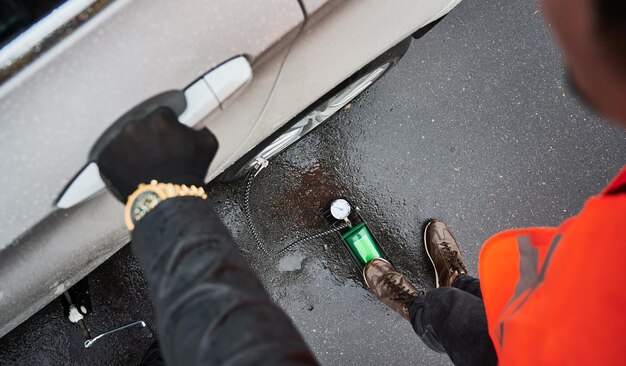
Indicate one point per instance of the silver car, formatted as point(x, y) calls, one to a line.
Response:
point(258, 74)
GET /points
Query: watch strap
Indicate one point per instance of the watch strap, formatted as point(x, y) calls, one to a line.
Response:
point(164, 191)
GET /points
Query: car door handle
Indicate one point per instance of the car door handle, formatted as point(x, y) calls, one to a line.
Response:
point(204, 99)
point(215, 90)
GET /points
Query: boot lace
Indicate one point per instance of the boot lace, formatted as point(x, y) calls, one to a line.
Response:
point(398, 291)
point(452, 257)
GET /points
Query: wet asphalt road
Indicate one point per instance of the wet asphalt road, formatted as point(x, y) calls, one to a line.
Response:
point(474, 126)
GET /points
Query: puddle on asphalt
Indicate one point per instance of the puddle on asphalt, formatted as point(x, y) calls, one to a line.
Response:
point(291, 262)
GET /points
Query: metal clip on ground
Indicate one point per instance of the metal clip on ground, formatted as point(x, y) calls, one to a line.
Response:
point(140, 323)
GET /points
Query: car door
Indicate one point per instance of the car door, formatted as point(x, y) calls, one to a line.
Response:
point(68, 76)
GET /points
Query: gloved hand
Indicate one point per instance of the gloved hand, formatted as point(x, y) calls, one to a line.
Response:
point(153, 146)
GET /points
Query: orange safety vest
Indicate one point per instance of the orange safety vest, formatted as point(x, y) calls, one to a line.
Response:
point(557, 295)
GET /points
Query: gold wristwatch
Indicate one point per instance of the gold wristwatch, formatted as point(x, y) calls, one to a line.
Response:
point(147, 196)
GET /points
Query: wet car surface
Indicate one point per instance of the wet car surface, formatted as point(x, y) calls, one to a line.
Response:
point(475, 126)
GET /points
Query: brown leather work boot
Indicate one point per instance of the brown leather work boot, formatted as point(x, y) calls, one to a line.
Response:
point(444, 253)
point(389, 286)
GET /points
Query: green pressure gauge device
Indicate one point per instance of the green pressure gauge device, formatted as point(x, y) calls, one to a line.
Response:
point(356, 236)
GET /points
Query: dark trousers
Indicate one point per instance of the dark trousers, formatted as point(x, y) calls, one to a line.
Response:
point(452, 320)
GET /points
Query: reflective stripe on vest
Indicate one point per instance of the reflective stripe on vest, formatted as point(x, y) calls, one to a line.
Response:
point(553, 295)
point(529, 278)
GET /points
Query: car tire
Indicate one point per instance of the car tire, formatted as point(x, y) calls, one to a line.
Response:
point(318, 112)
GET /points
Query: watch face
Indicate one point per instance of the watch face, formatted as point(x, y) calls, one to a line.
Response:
point(145, 202)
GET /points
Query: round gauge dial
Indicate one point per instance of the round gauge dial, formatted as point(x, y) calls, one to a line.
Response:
point(340, 209)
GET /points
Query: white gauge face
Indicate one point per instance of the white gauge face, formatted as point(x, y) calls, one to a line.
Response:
point(340, 209)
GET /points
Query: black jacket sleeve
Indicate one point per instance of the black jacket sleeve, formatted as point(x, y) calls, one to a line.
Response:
point(211, 309)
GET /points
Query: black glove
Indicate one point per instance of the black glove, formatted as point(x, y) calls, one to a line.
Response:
point(152, 145)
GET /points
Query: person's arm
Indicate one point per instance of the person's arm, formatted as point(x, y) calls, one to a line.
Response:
point(210, 307)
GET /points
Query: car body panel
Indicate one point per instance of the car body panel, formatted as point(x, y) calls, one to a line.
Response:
point(313, 6)
point(50, 119)
point(342, 48)
point(326, 52)
point(55, 108)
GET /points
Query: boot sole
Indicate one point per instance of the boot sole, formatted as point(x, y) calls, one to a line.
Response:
point(428, 254)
